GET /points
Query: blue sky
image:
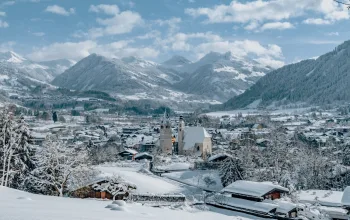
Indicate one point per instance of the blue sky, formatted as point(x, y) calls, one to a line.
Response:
point(273, 32)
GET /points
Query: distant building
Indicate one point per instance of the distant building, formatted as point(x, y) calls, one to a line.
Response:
point(165, 137)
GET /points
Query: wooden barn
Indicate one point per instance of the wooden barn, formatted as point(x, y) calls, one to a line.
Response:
point(88, 191)
point(254, 191)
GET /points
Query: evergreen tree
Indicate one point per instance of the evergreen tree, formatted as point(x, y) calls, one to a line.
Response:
point(54, 117)
point(230, 171)
point(15, 152)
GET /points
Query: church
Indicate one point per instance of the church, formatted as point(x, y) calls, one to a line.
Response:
point(190, 141)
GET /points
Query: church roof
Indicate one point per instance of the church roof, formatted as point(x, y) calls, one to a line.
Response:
point(194, 135)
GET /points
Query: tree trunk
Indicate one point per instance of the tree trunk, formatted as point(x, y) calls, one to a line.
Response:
point(4, 162)
point(3, 170)
point(8, 167)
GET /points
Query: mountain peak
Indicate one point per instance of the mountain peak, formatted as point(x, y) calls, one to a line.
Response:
point(177, 60)
point(11, 57)
point(138, 61)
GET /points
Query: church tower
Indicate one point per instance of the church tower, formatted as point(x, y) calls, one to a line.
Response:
point(180, 135)
point(166, 145)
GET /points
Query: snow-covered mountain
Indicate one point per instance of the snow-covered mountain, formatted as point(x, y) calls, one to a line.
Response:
point(321, 81)
point(128, 75)
point(44, 71)
point(176, 61)
point(214, 77)
point(56, 67)
point(221, 76)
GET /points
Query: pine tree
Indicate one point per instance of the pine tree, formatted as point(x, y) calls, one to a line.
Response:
point(230, 171)
point(15, 152)
point(54, 117)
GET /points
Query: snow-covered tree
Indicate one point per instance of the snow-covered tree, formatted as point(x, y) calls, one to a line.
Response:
point(115, 185)
point(14, 149)
point(230, 171)
point(56, 164)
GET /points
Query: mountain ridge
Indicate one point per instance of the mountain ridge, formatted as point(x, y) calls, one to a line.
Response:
point(324, 80)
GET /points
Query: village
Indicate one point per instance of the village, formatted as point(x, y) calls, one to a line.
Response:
point(212, 161)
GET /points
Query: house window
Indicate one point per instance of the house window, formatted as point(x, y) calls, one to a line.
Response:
point(197, 148)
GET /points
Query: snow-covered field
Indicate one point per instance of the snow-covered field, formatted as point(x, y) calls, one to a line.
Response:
point(146, 184)
point(197, 178)
point(19, 205)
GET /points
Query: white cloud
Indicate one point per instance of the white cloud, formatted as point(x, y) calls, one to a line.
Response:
point(277, 25)
point(317, 21)
point(7, 3)
point(179, 41)
point(39, 34)
point(119, 23)
point(332, 34)
point(3, 24)
point(107, 9)
point(60, 10)
point(241, 48)
point(269, 10)
point(252, 26)
point(2, 13)
point(121, 49)
point(67, 50)
point(150, 35)
point(79, 50)
point(173, 24)
point(324, 42)
point(80, 34)
point(7, 46)
point(267, 61)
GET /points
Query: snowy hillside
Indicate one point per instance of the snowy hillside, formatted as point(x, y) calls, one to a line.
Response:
point(222, 76)
point(127, 76)
point(214, 77)
point(44, 71)
point(15, 204)
point(324, 80)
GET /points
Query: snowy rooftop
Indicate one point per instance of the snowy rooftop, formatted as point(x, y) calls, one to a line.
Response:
point(142, 154)
point(194, 135)
point(345, 201)
point(214, 157)
point(253, 189)
point(322, 197)
point(246, 204)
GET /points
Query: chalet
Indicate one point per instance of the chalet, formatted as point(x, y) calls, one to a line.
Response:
point(128, 154)
point(254, 191)
point(88, 191)
point(143, 156)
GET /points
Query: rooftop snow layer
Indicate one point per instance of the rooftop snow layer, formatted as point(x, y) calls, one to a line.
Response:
point(253, 189)
point(194, 135)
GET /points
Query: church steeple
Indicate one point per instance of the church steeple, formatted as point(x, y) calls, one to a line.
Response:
point(165, 134)
point(180, 135)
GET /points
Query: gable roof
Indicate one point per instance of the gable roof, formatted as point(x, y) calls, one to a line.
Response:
point(252, 189)
point(194, 135)
point(345, 201)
